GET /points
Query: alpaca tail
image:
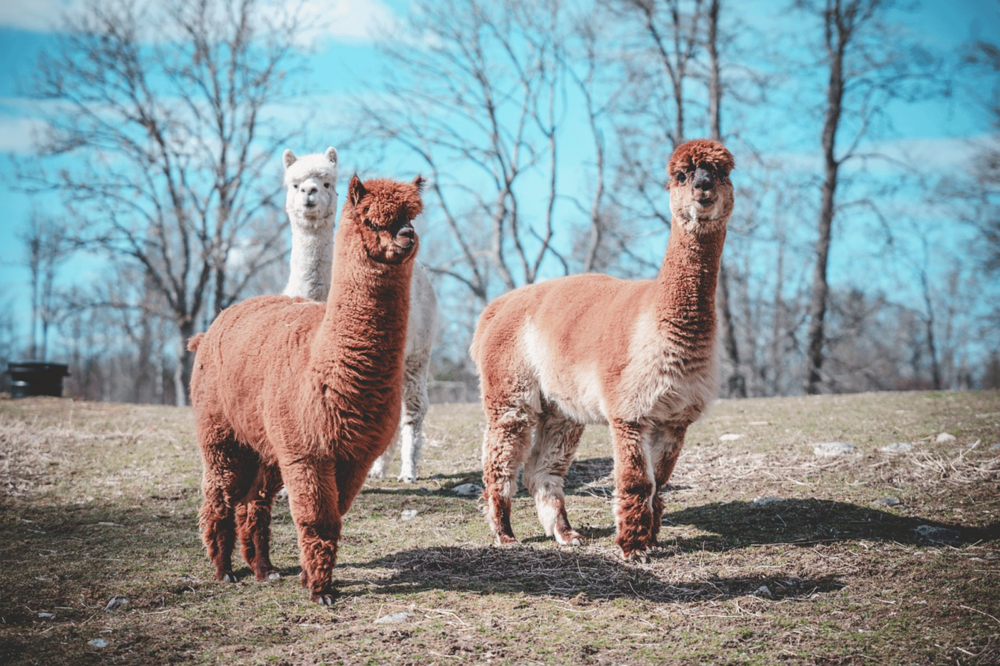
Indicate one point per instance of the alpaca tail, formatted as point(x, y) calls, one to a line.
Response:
point(194, 341)
point(475, 350)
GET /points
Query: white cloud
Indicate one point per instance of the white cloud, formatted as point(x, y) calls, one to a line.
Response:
point(37, 15)
point(340, 20)
point(347, 20)
point(17, 135)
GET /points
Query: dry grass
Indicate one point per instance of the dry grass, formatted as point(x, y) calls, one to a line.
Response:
point(98, 501)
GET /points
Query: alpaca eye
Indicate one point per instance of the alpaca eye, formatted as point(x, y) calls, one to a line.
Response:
point(681, 177)
point(326, 185)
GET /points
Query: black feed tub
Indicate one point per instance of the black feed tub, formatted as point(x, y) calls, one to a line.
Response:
point(30, 378)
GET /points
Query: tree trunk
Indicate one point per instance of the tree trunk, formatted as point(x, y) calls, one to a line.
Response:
point(185, 361)
point(736, 386)
point(817, 304)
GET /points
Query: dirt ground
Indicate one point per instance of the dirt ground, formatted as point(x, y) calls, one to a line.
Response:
point(772, 553)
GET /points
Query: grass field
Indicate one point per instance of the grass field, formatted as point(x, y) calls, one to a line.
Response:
point(100, 501)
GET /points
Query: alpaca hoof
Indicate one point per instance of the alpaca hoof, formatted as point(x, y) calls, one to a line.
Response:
point(227, 576)
point(406, 478)
point(505, 539)
point(274, 575)
point(376, 473)
point(571, 538)
point(323, 598)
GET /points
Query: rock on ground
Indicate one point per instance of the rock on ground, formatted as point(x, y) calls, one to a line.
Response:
point(897, 447)
point(394, 618)
point(467, 490)
point(941, 534)
point(766, 501)
point(114, 603)
point(830, 449)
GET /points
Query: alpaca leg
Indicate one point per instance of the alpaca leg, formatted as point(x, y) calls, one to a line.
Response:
point(253, 522)
point(504, 446)
point(381, 465)
point(634, 479)
point(415, 404)
point(667, 445)
point(556, 441)
point(227, 475)
point(313, 500)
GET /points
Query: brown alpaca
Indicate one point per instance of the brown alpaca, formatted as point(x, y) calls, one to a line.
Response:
point(637, 355)
point(307, 393)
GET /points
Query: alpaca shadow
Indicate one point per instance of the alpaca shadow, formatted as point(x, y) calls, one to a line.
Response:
point(810, 521)
point(564, 574)
point(595, 476)
point(591, 470)
point(435, 485)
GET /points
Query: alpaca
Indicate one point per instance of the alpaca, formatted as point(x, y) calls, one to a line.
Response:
point(637, 355)
point(285, 389)
point(311, 204)
point(311, 200)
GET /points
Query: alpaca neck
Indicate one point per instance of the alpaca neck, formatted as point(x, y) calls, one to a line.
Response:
point(312, 260)
point(685, 291)
point(366, 312)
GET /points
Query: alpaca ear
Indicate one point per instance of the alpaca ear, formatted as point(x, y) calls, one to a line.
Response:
point(288, 158)
point(355, 191)
point(419, 181)
point(331, 154)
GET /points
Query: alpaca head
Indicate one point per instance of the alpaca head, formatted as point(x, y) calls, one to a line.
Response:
point(311, 189)
point(701, 194)
point(382, 211)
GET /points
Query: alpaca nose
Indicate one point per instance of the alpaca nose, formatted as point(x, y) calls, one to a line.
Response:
point(405, 236)
point(703, 180)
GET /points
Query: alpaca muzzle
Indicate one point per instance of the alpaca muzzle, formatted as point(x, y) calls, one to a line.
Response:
point(406, 237)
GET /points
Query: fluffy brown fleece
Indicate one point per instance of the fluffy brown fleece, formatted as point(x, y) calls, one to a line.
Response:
point(307, 393)
point(637, 355)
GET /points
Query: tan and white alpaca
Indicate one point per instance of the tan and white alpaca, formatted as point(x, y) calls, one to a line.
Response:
point(310, 183)
point(637, 355)
point(307, 393)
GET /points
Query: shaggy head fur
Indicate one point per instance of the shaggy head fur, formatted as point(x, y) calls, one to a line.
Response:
point(311, 188)
point(386, 210)
point(701, 194)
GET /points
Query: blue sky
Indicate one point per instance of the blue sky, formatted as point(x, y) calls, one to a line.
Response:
point(344, 64)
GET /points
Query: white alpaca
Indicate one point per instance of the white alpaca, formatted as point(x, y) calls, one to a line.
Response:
point(311, 202)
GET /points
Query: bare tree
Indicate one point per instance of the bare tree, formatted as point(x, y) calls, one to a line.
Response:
point(483, 121)
point(661, 42)
point(983, 192)
point(47, 246)
point(164, 107)
point(866, 66)
point(735, 382)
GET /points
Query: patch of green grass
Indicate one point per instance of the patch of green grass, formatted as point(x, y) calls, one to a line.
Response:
point(101, 500)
